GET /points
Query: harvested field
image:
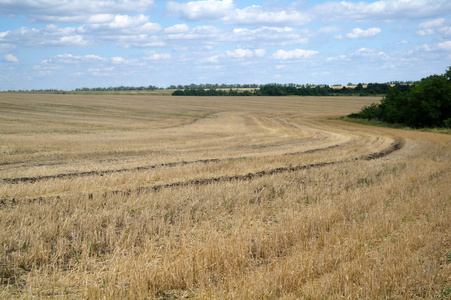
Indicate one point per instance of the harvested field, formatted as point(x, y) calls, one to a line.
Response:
point(147, 196)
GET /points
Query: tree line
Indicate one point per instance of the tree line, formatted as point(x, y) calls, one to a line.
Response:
point(291, 90)
point(426, 103)
point(270, 89)
point(119, 88)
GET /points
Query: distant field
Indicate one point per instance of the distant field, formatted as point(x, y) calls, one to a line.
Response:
point(107, 196)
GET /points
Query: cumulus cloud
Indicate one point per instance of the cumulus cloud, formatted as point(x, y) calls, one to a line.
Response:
point(157, 56)
point(440, 46)
point(261, 37)
point(124, 30)
point(260, 52)
point(200, 10)
point(50, 35)
point(62, 59)
point(366, 53)
point(75, 11)
point(432, 23)
point(201, 34)
point(241, 53)
point(294, 54)
point(270, 35)
point(121, 60)
point(177, 28)
point(257, 15)
point(358, 33)
point(123, 24)
point(11, 58)
point(382, 10)
point(225, 11)
point(329, 29)
point(210, 59)
point(435, 26)
point(444, 46)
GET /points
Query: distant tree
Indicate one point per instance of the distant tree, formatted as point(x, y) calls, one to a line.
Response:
point(359, 88)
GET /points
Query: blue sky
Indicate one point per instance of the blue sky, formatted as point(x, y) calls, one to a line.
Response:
point(67, 44)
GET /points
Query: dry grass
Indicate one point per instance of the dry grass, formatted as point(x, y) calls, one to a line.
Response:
point(136, 197)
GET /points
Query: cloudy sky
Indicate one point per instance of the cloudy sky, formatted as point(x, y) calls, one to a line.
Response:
point(66, 44)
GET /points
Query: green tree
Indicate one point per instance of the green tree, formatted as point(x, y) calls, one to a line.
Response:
point(426, 104)
point(429, 102)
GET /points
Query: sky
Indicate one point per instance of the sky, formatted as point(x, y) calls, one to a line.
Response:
point(68, 44)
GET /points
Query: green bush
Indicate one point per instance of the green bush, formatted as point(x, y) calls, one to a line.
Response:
point(425, 104)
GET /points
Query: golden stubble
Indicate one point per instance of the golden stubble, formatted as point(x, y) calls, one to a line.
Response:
point(137, 197)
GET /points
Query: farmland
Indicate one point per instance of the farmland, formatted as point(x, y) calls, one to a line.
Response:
point(152, 196)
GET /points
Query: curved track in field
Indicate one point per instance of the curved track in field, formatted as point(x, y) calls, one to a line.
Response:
point(233, 137)
point(397, 144)
point(142, 168)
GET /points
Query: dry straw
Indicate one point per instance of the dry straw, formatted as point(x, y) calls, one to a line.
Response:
point(153, 197)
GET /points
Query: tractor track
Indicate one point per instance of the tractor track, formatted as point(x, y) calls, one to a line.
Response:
point(150, 167)
point(396, 145)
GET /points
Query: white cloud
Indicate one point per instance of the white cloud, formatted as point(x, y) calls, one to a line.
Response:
point(211, 59)
point(329, 29)
point(177, 28)
point(157, 56)
point(358, 33)
point(50, 35)
point(241, 53)
point(440, 46)
point(6, 48)
point(262, 37)
point(225, 11)
point(200, 10)
point(74, 11)
point(366, 53)
point(269, 36)
point(100, 18)
point(424, 32)
point(76, 40)
point(117, 60)
point(3, 34)
point(432, 24)
point(444, 46)
point(11, 58)
point(435, 26)
point(61, 59)
point(294, 54)
point(204, 33)
point(257, 15)
point(381, 10)
point(260, 52)
point(124, 24)
point(338, 58)
point(124, 30)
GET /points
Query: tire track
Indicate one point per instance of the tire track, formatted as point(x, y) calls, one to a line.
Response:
point(396, 145)
point(150, 167)
point(105, 172)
